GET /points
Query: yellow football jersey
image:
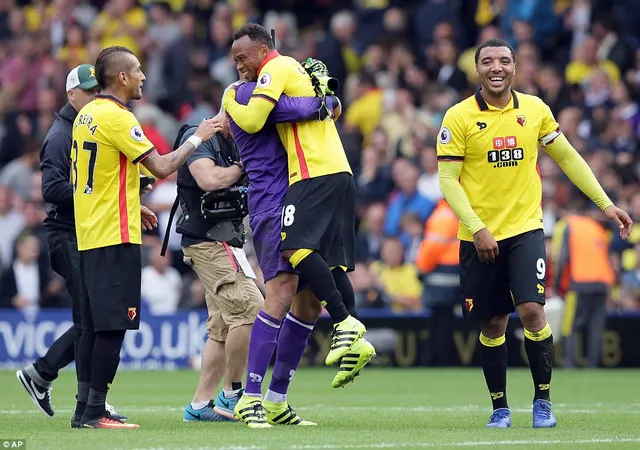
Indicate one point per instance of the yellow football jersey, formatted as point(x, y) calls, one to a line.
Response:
point(108, 144)
point(314, 148)
point(498, 149)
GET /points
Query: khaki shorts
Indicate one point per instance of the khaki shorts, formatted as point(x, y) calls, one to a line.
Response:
point(232, 298)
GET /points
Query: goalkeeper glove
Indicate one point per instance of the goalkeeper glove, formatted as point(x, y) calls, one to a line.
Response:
point(322, 82)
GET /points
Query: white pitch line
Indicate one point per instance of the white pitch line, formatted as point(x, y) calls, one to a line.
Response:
point(631, 408)
point(424, 444)
point(466, 444)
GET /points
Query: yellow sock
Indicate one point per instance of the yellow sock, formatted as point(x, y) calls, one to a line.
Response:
point(538, 335)
point(488, 342)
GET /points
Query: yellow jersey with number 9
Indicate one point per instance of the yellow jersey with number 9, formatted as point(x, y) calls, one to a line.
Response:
point(314, 147)
point(498, 149)
point(108, 143)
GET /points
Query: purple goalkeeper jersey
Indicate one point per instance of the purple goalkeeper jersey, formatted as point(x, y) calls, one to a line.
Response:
point(262, 153)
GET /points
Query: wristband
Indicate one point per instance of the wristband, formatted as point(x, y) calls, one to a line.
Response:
point(194, 140)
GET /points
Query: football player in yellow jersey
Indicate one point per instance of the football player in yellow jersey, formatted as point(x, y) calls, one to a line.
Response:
point(487, 163)
point(318, 217)
point(108, 146)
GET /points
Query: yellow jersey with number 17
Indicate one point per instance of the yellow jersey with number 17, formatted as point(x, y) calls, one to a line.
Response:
point(313, 148)
point(108, 144)
point(498, 149)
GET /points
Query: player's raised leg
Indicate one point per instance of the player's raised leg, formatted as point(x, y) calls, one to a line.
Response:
point(311, 219)
point(295, 331)
point(527, 280)
point(362, 351)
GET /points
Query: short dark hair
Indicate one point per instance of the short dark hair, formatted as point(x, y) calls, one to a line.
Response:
point(110, 62)
point(256, 32)
point(496, 43)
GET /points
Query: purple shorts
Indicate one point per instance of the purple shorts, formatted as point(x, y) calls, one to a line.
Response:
point(266, 241)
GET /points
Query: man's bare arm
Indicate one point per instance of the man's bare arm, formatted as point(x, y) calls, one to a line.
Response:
point(162, 166)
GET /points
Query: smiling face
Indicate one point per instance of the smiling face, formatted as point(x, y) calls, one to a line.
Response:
point(248, 56)
point(496, 68)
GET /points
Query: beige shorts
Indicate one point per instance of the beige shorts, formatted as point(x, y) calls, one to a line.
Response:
point(232, 298)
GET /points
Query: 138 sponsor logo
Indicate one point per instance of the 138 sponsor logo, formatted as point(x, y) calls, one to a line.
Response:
point(506, 152)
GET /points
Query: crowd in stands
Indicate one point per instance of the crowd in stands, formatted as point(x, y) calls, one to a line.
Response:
point(401, 64)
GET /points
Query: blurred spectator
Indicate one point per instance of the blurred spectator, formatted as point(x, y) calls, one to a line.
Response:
point(161, 284)
point(397, 277)
point(373, 181)
point(120, 22)
point(407, 199)
point(369, 239)
point(429, 183)
point(365, 112)
point(367, 295)
point(585, 63)
point(17, 174)
point(337, 49)
point(24, 283)
point(74, 51)
point(448, 72)
point(11, 224)
point(412, 227)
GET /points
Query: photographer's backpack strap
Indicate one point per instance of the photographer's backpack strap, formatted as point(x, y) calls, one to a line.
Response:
point(174, 208)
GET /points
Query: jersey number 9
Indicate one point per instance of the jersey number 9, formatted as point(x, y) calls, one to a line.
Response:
point(92, 148)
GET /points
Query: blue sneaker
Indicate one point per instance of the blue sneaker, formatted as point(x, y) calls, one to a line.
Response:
point(224, 406)
point(542, 415)
point(500, 418)
point(206, 414)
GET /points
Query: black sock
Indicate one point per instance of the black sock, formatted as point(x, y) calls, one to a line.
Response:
point(346, 290)
point(84, 357)
point(315, 272)
point(236, 385)
point(494, 366)
point(95, 405)
point(106, 358)
point(540, 354)
point(81, 399)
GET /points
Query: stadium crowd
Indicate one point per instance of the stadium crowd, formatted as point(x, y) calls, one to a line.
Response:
point(401, 64)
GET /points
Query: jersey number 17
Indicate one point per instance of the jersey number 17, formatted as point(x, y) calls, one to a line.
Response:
point(92, 148)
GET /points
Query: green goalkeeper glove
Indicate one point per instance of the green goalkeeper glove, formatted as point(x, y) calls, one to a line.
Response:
point(322, 82)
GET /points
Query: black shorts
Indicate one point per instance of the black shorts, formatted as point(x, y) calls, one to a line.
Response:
point(319, 214)
point(111, 287)
point(518, 275)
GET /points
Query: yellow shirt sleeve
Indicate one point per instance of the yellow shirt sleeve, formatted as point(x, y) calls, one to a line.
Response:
point(452, 139)
point(412, 287)
point(577, 170)
point(549, 129)
point(449, 175)
point(127, 136)
point(272, 81)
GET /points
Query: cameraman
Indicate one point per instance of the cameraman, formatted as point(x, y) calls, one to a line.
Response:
point(212, 240)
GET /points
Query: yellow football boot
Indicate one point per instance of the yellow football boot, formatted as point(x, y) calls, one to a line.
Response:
point(353, 361)
point(250, 411)
point(283, 414)
point(343, 336)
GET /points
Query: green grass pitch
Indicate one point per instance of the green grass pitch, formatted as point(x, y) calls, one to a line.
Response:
point(384, 408)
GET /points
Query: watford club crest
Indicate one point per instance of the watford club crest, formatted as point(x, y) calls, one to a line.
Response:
point(468, 303)
point(132, 313)
point(522, 120)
